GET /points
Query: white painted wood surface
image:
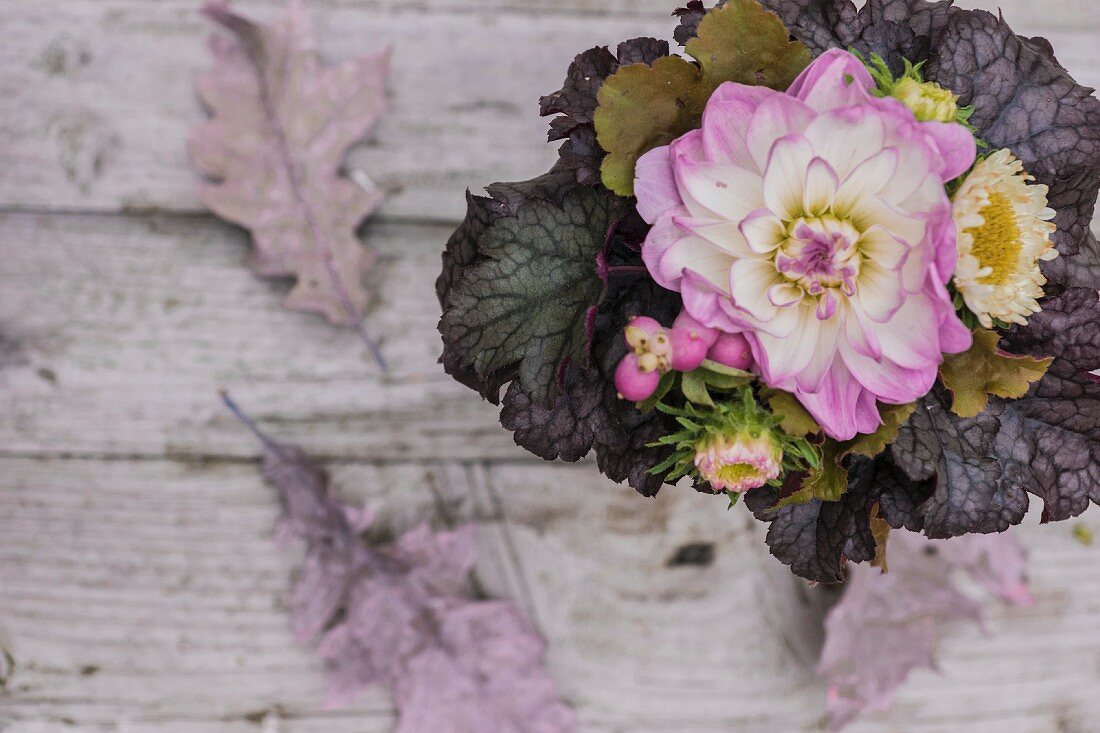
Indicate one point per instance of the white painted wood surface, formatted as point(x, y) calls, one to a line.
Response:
point(139, 587)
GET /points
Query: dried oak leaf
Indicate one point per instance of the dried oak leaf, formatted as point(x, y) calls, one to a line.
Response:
point(985, 370)
point(524, 305)
point(281, 124)
point(645, 106)
point(575, 103)
point(401, 615)
point(887, 624)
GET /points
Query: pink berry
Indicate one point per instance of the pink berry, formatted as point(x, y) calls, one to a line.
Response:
point(646, 323)
point(689, 348)
point(684, 320)
point(632, 383)
point(732, 350)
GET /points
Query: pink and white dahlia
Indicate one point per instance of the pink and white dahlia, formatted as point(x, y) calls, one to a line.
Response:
point(816, 223)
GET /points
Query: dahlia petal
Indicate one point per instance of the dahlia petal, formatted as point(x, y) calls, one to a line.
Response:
point(749, 281)
point(872, 210)
point(827, 305)
point(868, 179)
point(726, 122)
point(890, 382)
point(655, 184)
point(782, 358)
point(783, 295)
point(812, 376)
point(763, 231)
point(661, 237)
point(879, 292)
point(836, 78)
point(846, 137)
point(842, 407)
point(861, 336)
point(723, 190)
point(699, 256)
point(777, 116)
point(722, 233)
point(820, 187)
point(705, 303)
point(909, 337)
point(956, 145)
point(955, 337)
point(785, 175)
point(884, 248)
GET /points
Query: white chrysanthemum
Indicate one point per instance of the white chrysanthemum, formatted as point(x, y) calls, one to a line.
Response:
point(1004, 231)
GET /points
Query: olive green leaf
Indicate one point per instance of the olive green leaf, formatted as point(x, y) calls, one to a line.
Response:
point(793, 417)
point(695, 389)
point(893, 417)
point(524, 306)
point(642, 107)
point(985, 370)
point(827, 481)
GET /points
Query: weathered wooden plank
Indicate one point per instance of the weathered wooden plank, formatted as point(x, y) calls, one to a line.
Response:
point(119, 331)
point(96, 96)
point(1056, 13)
point(147, 595)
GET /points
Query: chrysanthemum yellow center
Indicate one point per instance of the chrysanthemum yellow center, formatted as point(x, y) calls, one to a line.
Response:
point(997, 242)
point(735, 472)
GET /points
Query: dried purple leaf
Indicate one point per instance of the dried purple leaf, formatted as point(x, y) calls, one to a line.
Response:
point(401, 615)
point(281, 125)
point(887, 624)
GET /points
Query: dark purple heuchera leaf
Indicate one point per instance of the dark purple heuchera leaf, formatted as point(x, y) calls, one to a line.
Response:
point(958, 453)
point(522, 308)
point(463, 252)
point(586, 414)
point(691, 15)
point(1025, 101)
point(400, 615)
point(1050, 439)
point(575, 103)
point(818, 538)
point(886, 625)
point(894, 29)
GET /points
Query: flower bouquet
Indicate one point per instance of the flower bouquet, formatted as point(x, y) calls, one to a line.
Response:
point(834, 261)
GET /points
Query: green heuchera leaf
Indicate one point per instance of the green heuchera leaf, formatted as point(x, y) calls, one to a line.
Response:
point(893, 417)
point(525, 304)
point(827, 481)
point(642, 107)
point(984, 370)
point(793, 417)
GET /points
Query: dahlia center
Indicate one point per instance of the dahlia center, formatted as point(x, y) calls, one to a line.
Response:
point(997, 242)
point(733, 474)
point(820, 253)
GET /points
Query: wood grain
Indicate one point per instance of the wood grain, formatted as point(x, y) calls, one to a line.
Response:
point(96, 97)
point(151, 592)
